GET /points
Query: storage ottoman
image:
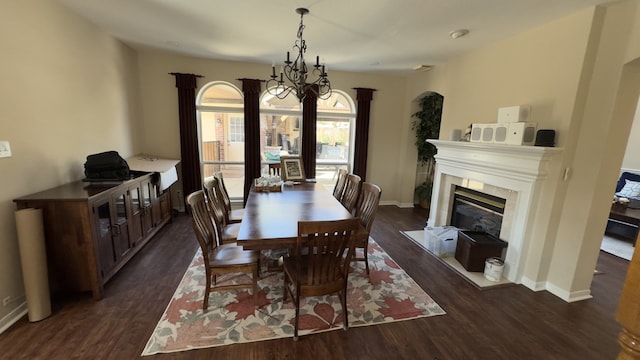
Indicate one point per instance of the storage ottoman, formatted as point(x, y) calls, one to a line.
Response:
point(475, 247)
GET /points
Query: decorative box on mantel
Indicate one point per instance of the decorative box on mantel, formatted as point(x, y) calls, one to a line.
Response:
point(525, 176)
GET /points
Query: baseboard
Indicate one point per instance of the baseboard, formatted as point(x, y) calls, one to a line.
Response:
point(569, 296)
point(13, 317)
point(406, 205)
point(397, 203)
point(533, 285)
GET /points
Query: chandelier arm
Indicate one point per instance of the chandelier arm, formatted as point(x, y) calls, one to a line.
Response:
point(297, 72)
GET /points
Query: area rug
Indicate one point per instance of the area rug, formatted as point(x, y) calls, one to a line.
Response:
point(476, 279)
point(620, 248)
point(387, 295)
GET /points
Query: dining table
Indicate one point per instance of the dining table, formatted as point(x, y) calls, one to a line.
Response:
point(270, 219)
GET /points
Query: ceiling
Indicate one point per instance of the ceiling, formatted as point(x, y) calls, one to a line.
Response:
point(350, 35)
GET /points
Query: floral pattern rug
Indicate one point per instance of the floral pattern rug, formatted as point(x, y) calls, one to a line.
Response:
point(387, 295)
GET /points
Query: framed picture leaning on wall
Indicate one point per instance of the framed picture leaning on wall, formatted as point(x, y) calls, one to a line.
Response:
point(291, 168)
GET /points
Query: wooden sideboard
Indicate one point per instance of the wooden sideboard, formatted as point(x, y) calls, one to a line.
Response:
point(93, 229)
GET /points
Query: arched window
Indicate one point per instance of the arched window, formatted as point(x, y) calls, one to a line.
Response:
point(220, 110)
point(334, 136)
point(281, 132)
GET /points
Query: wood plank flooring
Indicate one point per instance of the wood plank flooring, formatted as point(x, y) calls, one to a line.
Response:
point(501, 323)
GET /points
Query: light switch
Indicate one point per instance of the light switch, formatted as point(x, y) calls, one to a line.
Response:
point(5, 149)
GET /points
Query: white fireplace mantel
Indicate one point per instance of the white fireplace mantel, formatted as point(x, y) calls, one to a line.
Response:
point(517, 173)
point(513, 161)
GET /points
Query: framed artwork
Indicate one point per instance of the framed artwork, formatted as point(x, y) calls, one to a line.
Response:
point(291, 168)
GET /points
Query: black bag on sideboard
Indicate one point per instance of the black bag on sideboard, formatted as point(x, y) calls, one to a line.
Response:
point(108, 165)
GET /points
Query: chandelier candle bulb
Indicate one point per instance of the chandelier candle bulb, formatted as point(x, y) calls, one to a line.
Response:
point(299, 76)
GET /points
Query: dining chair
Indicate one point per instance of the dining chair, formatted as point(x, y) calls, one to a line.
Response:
point(231, 215)
point(340, 183)
point(320, 262)
point(227, 233)
point(220, 259)
point(368, 202)
point(349, 197)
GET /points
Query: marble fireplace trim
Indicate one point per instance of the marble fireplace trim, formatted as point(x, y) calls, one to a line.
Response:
point(515, 173)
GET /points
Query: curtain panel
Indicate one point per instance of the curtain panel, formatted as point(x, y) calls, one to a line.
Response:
point(364, 97)
point(189, 147)
point(251, 91)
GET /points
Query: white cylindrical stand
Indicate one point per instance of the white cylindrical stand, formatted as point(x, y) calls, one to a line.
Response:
point(33, 256)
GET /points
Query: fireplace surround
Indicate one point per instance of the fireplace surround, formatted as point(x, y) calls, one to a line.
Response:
point(521, 175)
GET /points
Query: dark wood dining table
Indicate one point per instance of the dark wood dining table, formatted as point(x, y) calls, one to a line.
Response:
point(270, 219)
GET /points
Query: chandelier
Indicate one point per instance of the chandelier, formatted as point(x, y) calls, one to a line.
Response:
point(297, 73)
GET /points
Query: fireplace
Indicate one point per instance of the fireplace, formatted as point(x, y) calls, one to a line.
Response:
point(517, 178)
point(477, 211)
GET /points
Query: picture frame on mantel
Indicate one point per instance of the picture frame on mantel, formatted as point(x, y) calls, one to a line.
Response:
point(291, 168)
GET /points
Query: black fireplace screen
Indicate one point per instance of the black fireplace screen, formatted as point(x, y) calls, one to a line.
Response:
point(476, 211)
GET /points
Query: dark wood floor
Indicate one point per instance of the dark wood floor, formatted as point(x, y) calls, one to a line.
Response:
point(502, 323)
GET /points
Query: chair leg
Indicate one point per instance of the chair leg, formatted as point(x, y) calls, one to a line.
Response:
point(343, 301)
point(285, 289)
point(207, 290)
point(366, 257)
point(295, 330)
point(256, 271)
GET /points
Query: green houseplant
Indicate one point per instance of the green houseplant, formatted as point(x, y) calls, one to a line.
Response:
point(426, 124)
point(423, 191)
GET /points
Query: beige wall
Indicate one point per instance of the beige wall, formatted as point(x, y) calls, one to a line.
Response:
point(388, 123)
point(67, 90)
point(631, 160)
point(569, 71)
point(604, 111)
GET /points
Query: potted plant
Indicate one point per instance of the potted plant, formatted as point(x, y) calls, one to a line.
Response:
point(423, 191)
point(426, 124)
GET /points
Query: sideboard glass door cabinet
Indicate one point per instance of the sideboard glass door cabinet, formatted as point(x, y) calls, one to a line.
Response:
point(93, 229)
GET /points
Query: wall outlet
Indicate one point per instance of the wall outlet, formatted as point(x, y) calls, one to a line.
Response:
point(5, 149)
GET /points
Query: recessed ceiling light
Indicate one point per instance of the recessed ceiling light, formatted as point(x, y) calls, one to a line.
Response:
point(458, 33)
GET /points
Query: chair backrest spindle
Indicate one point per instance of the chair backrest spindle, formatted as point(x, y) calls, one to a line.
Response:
point(351, 192)
point(201, 219)
point(328, 251)
point(338, 190)
point(368, 202)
